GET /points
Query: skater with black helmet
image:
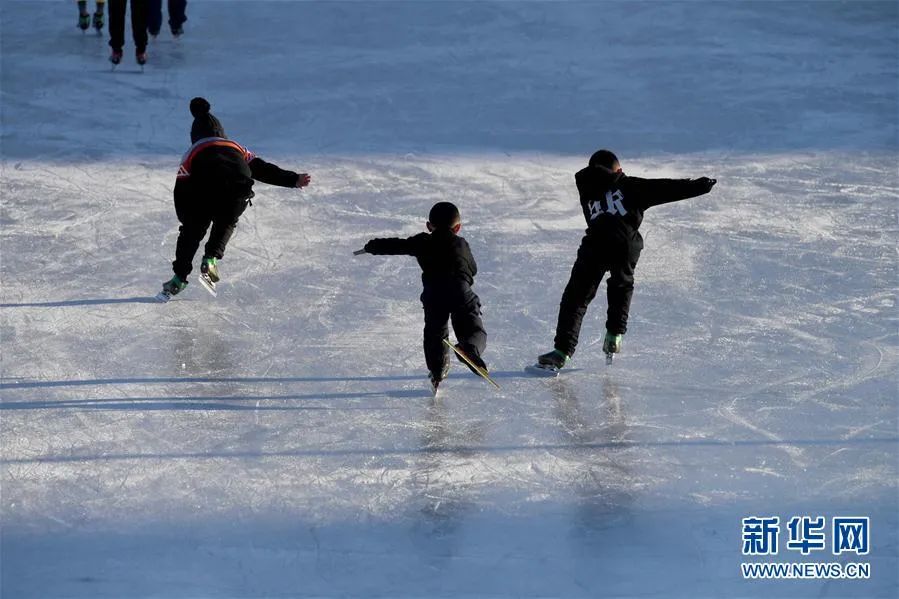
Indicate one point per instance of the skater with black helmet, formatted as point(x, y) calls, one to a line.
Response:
point(214, 186)
point(448, 271)
point(613, 205)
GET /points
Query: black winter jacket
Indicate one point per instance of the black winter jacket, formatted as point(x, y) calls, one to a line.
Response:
point(613, 203)
point(444, 257)
point(220, 168)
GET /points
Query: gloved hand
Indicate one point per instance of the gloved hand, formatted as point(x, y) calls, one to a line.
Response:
point(706, 184)
point(303, 180)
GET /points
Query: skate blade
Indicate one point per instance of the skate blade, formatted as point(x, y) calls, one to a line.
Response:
point(163, 296)
point(474, 367)
point(208, 285)
point(542, 371)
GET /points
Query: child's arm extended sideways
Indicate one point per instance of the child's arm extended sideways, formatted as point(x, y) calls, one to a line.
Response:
point(391, 246)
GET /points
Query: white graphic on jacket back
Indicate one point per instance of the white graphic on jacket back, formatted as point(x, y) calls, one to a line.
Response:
point(613, 205)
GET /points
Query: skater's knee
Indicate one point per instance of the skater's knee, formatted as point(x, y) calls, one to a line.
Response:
point(193, 230)
point(436, 331)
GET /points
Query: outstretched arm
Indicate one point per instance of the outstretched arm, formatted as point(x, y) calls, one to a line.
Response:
point(274, 175)
point(654, 192)
point(392, 246)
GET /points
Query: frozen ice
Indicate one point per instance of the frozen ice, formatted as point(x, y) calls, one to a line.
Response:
point(280, 439)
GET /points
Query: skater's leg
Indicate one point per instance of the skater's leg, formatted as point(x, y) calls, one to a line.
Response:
point(468, 326)
point(222, 230)
point(586, 275)
point(117, 24)
point(139, 25)
point(190, 234)
point(436, 330)
point(154, 16)
point(224, 221)
point(619, 289)
point(177, 14)
point(194, 221)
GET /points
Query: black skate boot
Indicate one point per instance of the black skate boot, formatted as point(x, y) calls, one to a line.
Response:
point(98, 19)
point(437, 377)
point(84, 17)
point(553, 360)
point(171, 288)
point(473, 356)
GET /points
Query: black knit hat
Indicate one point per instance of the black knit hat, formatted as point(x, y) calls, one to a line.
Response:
point(444, 215)
point(205, 124)
point(603, 158)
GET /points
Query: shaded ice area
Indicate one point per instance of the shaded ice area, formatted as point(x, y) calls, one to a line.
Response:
point(279, 440)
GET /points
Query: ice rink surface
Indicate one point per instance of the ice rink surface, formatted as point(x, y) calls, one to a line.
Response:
point(280, 440)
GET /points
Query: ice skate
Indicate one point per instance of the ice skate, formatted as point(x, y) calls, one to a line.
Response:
point(473, 362)
point(611, 345)
point(171, 288)
point(437, 377)
point(549, 364)
point(98, 22)
point(210, 268)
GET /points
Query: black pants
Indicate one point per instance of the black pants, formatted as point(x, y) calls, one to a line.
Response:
point(177, 16)
point(460, 305)
point(593, 261)
point(138, 24)
point(195, 215)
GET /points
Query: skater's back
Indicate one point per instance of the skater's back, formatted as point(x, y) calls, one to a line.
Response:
point(614, 203)
point(444, 256)
point(447, 274)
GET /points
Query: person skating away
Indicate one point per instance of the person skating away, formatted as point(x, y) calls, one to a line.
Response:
point(177, 8)
point(613, 205)
point(84, 17)
point(138, 30)
point(214, 187)
point(448, 271)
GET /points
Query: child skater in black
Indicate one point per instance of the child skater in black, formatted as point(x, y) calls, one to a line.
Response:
point(613, 205)
point(448, 271)
point(214, 187)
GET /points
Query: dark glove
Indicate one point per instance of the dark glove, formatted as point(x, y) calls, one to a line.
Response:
point(706, 184)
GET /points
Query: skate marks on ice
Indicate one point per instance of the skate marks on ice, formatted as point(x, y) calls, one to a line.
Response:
point(609, 429)
point(547, 490)
point(523, 449)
